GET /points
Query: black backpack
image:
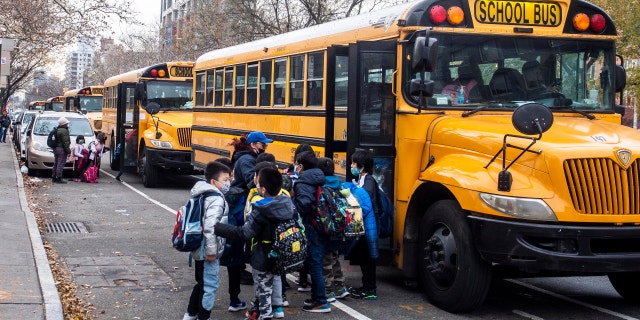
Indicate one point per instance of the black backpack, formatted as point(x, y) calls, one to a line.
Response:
point(289, 247)
point(52, 139)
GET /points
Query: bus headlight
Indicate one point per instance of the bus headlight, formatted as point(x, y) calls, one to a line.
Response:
point(522, 208)
point(161, 144)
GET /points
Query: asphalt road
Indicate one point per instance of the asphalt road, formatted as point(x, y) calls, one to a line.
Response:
point(125, 266)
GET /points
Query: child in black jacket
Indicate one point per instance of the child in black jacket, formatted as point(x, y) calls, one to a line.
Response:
point(259, 229)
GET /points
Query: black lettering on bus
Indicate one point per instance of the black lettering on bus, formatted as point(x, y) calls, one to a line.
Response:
point(553, 15)
point(500, 11)
point(492, 8)
point(482, 8)
point(508, 12)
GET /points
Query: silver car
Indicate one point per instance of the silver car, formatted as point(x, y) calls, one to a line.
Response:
point(19, 128)
point(38, 155)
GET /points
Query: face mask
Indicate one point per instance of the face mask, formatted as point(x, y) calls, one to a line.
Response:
point(260, 151)
point(355, 171)
point(225, 187)
point(81, 141)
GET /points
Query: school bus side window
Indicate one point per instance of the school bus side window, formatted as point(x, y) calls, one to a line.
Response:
point(296, 81)
point(240, 84)
point(200, 88)
point(315, 74)
point(228, 86)
point(209, 88)
point(280, 82)
point(265, 83)
point(218, 85)
point(252, 84)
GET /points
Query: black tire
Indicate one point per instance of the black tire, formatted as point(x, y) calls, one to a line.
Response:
point(627, 284)
point(452, 273)
point(150, 174)
point(114, 164)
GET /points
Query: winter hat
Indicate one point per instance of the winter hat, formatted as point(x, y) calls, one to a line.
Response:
point(62, 121)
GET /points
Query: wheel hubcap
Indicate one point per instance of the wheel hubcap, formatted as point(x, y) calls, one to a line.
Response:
point(440, 254)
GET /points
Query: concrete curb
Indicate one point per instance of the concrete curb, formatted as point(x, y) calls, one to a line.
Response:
point(52, 304)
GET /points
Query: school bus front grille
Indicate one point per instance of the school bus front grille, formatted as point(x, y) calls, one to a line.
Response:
point(184, 137)
point(601, 186)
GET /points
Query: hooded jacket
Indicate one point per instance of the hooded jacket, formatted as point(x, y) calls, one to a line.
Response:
point(306, 193)
point(260, 227)
point(243, 169)
point(63, 139)
point(216, 210)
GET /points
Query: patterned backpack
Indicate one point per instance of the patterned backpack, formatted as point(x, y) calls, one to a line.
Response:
point(332, 217)
point(288, 248)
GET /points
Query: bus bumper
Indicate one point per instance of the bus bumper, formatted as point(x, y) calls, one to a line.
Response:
point(537, 247)
point(170, 159)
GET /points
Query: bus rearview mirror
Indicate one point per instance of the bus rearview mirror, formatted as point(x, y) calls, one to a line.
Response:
point(425, 54)
point(621, 78)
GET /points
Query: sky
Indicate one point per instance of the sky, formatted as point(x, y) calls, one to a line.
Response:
point(148, 12)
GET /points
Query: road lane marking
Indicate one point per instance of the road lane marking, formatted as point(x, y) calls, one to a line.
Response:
point(526, 315)
point(578, 302)
point(173, 211)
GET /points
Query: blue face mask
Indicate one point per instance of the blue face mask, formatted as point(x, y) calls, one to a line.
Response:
point(225, 188)
point(355, 171)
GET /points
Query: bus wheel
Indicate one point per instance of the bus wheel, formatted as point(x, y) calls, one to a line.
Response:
point(452, 273)
point(149, 173)
point(626, 284)
point(113, 162)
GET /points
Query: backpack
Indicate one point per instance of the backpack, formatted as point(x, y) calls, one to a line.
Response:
point(288, 248)
point(91, 174)
point(187, 232)
point(52, 139)
point(385, 216)
point(332, 213)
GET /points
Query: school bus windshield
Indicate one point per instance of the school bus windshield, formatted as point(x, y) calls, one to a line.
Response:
point(91, 104)
point(170, 95)
point(507, 71)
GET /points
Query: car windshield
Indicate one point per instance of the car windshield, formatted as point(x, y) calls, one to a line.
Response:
point(77, 126)
point(474, 71)
point(170, 95)
point(91, 104)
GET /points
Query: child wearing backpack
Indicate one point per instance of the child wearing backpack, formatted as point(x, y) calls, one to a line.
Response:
point(259, 228)
point(365, 251)
point(79, 154)
point(203, 295)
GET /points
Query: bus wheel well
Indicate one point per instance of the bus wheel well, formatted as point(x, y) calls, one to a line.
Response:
point(424, 196)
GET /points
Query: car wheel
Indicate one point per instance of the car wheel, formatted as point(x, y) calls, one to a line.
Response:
point(453, 275)
point(150, 173)
point(626, 284)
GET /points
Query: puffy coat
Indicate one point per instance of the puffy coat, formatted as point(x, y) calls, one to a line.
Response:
point(216, 210)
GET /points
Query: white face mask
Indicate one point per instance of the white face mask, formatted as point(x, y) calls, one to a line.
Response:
point(225, 187)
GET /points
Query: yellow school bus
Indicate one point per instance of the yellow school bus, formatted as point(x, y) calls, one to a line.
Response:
point(493, 126)
point(87, 100)
point(37, 105)
point(54, 104)
point(148, 113)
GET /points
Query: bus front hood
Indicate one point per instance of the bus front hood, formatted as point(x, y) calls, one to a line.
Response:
point(483, 136)
point(177, 119)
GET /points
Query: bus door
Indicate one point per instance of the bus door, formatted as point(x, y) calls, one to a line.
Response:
point(371, 111)
point(336, 107)
point(127, 125)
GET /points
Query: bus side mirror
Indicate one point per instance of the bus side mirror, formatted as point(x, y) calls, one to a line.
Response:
point(152, 108)
point(141, 93)
point(621, 78)
point(425, 54)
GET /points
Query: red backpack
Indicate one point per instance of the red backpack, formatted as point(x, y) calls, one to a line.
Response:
point(91, 174)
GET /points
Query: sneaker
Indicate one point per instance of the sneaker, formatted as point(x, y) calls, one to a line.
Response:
point(252, 315)
point(359, 293)
point(304, 287)
point(317, 307)
point(187, 316)
point(118, 179)
point(237, 306)
point(285, 302)
point(342, 293)
point(278, 313)
point(331, 297)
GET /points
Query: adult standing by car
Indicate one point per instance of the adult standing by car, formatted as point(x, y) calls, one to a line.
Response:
point(5, 122)
point(62, 150)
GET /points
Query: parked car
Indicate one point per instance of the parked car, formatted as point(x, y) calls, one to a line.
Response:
point(19, 128)
point(38, 155)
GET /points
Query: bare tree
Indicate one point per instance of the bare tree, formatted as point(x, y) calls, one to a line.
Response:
point(42, 27)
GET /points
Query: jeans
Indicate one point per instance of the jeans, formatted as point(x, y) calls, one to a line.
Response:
point(315, 248)
point(3, 134)
point(203, 294)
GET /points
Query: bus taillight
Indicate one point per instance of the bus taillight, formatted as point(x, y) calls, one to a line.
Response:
point(598, 23)
point(455, 15)
point(582, 22)
point(437, 14)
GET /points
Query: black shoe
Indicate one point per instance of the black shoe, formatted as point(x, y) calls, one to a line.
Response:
point(59, 180)
point(118, 179)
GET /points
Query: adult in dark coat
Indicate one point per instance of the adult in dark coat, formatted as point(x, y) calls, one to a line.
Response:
point(61, 151)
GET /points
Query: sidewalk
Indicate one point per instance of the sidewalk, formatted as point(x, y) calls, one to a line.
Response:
point(27, 287)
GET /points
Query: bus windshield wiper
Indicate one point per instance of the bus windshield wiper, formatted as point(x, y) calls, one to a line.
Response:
point(492, 105)
point(586, 114)
point(470, 112)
